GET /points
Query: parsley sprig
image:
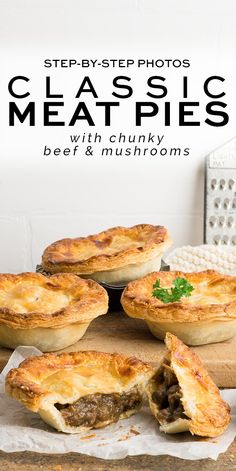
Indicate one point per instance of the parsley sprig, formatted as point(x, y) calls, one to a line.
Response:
point(181, 287)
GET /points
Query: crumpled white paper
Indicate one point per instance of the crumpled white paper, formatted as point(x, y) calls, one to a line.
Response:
point(22, 430)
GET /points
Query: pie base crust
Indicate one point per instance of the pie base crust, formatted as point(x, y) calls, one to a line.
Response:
point(129, 273)
point(41, 382)
point(45, 339)
point(207, 414)
point(117, 255)
point(195, 333)
point(48, 313)
point(207, 316)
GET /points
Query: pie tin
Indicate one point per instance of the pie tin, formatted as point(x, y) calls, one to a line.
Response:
point(114, 291)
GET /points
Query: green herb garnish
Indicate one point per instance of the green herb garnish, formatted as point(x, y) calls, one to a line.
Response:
point(181, 287)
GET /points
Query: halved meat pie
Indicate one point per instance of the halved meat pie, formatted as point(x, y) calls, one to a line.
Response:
point(182, 395)
point(78, 391)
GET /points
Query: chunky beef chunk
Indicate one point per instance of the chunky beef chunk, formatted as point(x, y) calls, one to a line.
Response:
point(167, 395)
point(94, 408)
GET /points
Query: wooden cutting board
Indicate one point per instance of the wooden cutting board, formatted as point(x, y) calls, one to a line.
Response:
point(116, 332)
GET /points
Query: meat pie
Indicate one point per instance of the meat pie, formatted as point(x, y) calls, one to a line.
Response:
point(77, 391)
point(49, 314)
point(208, 315)
point(183, 397)
point(117, 255)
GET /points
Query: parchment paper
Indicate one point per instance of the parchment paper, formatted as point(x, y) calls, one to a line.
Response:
point(22, 430)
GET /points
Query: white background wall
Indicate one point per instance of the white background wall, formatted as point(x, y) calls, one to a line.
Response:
point(42, 200)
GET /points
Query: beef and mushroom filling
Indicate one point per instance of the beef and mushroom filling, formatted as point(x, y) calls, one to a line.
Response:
point(92, 409)
point(167, 395)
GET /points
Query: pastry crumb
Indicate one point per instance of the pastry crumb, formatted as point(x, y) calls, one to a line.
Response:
point(135, 432)
point(87, 437)
point(121, 439)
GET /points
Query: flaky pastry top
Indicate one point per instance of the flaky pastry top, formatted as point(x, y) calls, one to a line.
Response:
point(108, 250)
point(30, 300)
point(67, 376)
point(213, 298)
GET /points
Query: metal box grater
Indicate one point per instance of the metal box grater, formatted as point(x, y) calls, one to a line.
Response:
point(220, 196)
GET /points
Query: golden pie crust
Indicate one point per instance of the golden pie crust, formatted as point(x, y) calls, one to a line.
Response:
point(49, 313)
point(205, 412)
point(208, 315)
point(115, 255)
point(44, 382)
